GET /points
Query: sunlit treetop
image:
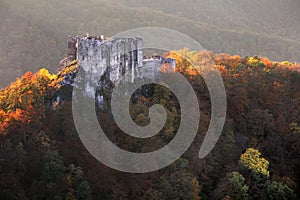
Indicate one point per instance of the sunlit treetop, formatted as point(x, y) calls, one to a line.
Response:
point(252, 160)
point(193, 63)
point(29, 94)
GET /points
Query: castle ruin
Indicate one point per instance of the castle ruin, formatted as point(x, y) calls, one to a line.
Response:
point(106, 61)
point(96, 55)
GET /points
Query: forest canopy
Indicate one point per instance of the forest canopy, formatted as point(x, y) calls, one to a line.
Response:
point(257, 156)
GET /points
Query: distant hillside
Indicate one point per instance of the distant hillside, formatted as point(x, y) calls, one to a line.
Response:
point(272, 17)
point(33, 35)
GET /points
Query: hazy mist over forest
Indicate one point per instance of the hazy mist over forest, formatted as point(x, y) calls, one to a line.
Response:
point(34, 33)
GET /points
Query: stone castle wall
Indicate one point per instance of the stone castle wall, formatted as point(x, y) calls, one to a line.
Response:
point(115, 56)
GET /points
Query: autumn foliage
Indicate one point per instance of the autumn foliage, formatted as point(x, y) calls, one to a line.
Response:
point(256, 156)
point(24, 98)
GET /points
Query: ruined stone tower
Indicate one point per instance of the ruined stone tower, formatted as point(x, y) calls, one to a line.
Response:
point(117, 56)
point(72, 49)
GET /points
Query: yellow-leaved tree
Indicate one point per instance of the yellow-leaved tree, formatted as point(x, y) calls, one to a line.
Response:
point(252, 160)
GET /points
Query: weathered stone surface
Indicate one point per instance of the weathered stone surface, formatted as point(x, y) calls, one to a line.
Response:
point(72, 48)
point(151, 67)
